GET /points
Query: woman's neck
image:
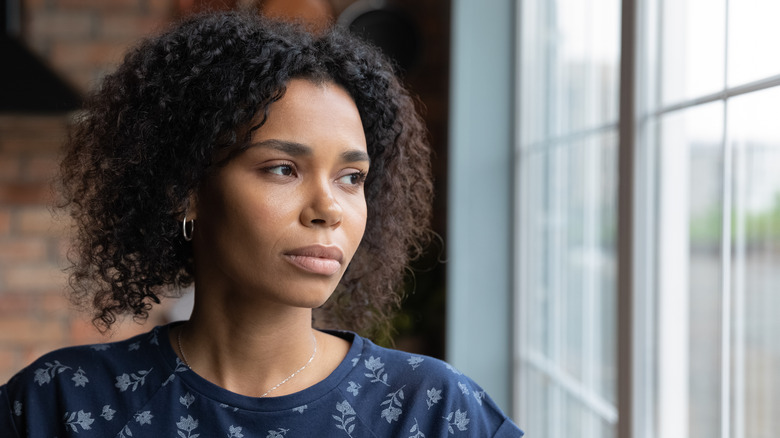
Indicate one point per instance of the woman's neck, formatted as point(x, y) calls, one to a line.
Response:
point(249, 350)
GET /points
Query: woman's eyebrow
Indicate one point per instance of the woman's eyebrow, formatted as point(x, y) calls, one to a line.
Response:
point(288, 147)
point(296, 149)
point(352, 156)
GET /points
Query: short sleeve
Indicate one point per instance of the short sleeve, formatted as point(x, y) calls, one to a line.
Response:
point(508, 429)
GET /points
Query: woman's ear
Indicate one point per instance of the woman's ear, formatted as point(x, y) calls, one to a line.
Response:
point(191, 207)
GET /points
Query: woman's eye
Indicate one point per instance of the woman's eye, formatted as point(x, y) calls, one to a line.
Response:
point(353, 179)
point(283, 170)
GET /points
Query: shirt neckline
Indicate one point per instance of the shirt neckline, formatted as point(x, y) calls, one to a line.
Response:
point(198, 384)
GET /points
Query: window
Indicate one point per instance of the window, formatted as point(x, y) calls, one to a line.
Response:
point(566, 170)
point(706, 203)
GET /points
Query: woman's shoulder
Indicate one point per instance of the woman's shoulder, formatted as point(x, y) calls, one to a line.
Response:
point(79, 369)
point(412, 366)
point(65, 381)
point(407, 387)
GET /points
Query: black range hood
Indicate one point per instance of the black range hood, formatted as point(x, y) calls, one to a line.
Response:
point(27, 83)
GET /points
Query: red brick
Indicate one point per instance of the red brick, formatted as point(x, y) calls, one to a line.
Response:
point(163, 9)
point(128, 27)
point(40, 220)
point(59, 25)
point(74, 55)
point(5, 222)
point(103, 5)
point(34, 278)
point(36, 125)
point(12, 193)
point(41, 168)
point(22, 250)
point(10, 167)
point(9, 363)
point(54, 305)
point(17, 303)
point(15, 143)
point(22, 329)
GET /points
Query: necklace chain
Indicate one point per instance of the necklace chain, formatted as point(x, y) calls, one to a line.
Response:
point(308, 362)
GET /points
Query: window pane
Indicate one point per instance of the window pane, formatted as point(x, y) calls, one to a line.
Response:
point(567, 279)
point(569, 67)
point(753, 37)
point(756, 141)
point(693, 38)
point(566, 197)
point(690, 270)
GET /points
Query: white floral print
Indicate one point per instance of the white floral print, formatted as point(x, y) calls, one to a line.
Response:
point(80, 378)
point(278, 433)
point(187, 400)
point(377, 368)
point(354, 388)
point(454, 371)
point(108, 413)
point(44, 375)
point(415, 361)
point(375, 391)
point(144, 417)
point(393, 403)
point(188, 425)
point(125, 432)
point(434, 395)
point(457, 419)
point(125, 381)
point(80, 418)
point(347, 416)
point(416, 431)
point(479, 396)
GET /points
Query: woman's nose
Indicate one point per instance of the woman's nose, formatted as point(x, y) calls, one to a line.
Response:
point(322, 208)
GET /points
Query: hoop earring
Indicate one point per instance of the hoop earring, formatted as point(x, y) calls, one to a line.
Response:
point(187, 236)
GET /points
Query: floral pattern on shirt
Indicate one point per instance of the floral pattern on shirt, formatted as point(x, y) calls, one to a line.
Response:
point(146, 390)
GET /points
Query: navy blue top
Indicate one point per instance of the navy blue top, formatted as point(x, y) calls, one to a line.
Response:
point(140, 388)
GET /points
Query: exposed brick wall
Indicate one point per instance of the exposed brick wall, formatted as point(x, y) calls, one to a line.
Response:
point(85, 39)
point(82, 40)
point(35, 315)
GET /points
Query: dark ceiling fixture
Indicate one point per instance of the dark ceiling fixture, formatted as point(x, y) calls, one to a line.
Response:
point(388, 27)
point(27, 83)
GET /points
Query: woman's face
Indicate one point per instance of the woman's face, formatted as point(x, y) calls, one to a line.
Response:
point(281, 221)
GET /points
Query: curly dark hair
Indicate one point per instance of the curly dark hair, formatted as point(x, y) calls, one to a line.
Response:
point(156, 127)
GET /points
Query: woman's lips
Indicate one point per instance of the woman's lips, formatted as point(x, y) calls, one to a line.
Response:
point(317, 259)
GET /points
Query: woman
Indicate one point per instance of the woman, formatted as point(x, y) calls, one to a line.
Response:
point(279, 173)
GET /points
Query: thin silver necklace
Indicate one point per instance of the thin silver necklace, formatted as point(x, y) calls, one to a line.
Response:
point(308, 362)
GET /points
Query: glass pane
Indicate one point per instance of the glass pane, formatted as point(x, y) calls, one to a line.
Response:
point(569, 61)
point(753, 37)
point(567, 274)
point(567, 188)
point(755, 138)
point(690, 271)
point(693, 38)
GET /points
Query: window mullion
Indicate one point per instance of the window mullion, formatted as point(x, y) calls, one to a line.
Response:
point(625, 250)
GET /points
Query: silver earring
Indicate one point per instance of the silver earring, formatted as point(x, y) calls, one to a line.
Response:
point(187, 236)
